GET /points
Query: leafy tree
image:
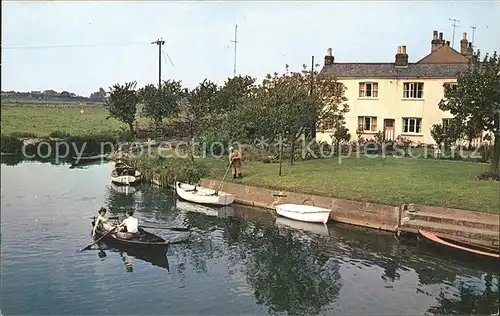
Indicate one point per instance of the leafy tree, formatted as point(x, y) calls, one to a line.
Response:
point(446, 135)
point(122, 103)
point(234, 93)
point(161, 102)
point(197, 109)
point(475, 102)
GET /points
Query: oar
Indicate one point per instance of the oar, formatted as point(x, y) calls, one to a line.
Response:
point(98, 240)
point(225, 174)
point(179, 229)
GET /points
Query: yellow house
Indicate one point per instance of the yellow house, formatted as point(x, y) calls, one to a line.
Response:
point(399, 98)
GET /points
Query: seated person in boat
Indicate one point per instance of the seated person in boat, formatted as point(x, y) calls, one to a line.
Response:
point(128, 229)
point(102, 220)
point(235, 162)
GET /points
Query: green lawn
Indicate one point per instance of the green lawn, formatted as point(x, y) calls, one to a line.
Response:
point(42, 121)
point(379, 180)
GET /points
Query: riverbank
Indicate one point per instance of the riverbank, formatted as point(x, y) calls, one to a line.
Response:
point(404, 215)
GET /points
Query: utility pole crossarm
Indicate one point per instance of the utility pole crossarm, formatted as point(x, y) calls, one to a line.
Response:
point(454, 26)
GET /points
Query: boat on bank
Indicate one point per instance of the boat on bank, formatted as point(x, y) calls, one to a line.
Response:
point(446, 243)
point(201, 195)
point(123, 174)
point(144, 239)
point(304, 213)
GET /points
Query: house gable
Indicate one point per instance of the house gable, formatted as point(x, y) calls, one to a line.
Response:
point(444, 55)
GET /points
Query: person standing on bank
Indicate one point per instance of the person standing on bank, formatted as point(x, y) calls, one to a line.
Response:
point(128, 229)
point(235, 162)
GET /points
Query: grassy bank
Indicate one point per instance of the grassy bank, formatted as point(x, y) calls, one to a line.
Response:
point(41, 121)
point(388, 181)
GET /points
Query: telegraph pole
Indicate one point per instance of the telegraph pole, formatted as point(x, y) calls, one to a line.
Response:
point(159, 42)
point(473, 27)
point(454, 26)
point(235, 41)
point(313, 127)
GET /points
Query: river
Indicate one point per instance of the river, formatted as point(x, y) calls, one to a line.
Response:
point(233, 261)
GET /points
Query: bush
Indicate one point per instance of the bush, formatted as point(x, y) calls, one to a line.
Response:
point(11, 144)
point(489, 175)
point(172, 169)
point(59, 134)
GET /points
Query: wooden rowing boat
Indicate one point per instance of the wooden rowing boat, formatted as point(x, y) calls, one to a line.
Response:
point(452, 244)
point(144, 240)
point(123, 174)
point(304, 213)
point(201, 195)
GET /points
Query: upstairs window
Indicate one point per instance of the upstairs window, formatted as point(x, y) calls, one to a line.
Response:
point(367, 123)
point(452, 85)
point(368, 90)
point(413, 90)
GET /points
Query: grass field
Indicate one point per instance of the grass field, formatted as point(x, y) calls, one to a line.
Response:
point(387, 181)
point(43, 120)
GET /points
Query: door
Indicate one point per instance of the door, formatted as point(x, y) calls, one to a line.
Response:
point(389, 129)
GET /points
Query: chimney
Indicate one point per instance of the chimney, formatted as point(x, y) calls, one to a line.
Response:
point(447, 43)
point(464, 44)
point(329, 57)
point(470, 51)
point(401, 57)
point(436, 43)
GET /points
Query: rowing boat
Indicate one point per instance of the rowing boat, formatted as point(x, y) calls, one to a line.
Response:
point(454, 245)
point(201, 195)
point(144, 239)
point(304, 213)
point(125, 175)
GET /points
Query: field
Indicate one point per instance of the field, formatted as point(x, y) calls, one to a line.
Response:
point(41, 121)
point(379, 180)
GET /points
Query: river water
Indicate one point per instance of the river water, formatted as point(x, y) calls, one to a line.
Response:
point(234, 261)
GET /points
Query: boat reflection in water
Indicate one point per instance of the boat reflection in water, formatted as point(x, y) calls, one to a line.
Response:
point(315, 228)
point(225, 211)
point(122, 189)
point(157, 257)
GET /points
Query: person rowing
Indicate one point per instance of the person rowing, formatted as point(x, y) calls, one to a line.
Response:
point(102, 220)
point(128, 229)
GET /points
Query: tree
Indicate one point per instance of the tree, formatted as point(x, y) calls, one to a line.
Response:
point(161, 102)
point(475, 102)
point(446, 135)
point(122, 103)
point(234, 93)
point(197, 109)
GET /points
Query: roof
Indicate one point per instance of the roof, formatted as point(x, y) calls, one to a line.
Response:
point(444, 55)
point(387, 70)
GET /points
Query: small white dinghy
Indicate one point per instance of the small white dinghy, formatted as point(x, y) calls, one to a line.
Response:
point(202, 195)
point(304, 213)
point(124, 178)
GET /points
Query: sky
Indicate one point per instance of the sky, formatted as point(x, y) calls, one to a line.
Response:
point(100, 43)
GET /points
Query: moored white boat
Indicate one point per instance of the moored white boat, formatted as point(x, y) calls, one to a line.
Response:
point(202, 195)
point(304, 213)
point(125, 175)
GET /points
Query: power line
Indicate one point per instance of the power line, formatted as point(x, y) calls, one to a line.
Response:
point(454, 26)
point(74, 45)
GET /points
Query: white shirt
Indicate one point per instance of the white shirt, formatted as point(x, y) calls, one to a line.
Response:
point(131, 224)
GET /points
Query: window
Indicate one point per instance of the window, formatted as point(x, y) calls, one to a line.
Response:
point(368, 90)
point(452, 85)
point(367, 123)
point(413, 90)
point(412, 125)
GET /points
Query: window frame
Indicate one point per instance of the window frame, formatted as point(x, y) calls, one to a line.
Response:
point(372, 126)
point(362, 89)
point(406, 124)
point(409, 90)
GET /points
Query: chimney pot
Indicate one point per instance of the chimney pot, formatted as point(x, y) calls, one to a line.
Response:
point(329, 57)
point(435, 35)
point(441, 36)
point(447, 43)
point(329, 52)
point(470, 44)
point(403, 49)
point(464, 35)
point(399, 49)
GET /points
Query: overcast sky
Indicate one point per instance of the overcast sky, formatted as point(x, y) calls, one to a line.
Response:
point(108, 42)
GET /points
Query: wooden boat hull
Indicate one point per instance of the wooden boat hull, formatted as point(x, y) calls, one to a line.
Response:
point(202, 195)
point(304, 213)
point(438, 241)
point(146, 240)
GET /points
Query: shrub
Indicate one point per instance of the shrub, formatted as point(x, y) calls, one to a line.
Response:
point(489, 175)
point(11, 144)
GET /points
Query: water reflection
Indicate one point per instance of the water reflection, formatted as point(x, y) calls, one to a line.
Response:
point(293, 267)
